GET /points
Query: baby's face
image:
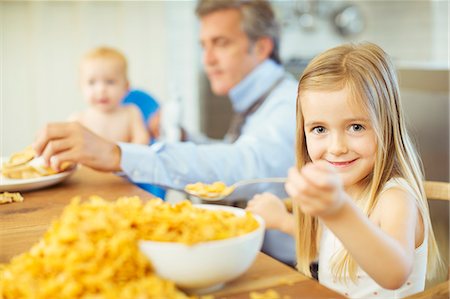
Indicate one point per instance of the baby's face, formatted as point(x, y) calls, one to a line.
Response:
point(103, 83)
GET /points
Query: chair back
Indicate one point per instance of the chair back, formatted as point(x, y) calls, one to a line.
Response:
point(437, 190)
point(438, 195)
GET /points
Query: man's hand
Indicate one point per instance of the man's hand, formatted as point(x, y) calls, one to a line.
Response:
point(71, 142)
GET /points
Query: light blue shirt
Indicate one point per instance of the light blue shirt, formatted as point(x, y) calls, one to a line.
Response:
point(265, 148)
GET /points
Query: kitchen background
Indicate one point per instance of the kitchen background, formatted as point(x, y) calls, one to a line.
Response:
point(42, 43)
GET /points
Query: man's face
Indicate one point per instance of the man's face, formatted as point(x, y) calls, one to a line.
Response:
point(228, 54)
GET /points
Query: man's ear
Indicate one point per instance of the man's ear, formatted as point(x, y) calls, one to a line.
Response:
point(264, 47)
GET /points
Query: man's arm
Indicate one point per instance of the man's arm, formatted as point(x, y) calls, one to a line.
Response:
point(199, 138)
point(265, 149)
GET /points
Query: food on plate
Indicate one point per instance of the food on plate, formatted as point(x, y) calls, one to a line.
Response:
point(92, 251)
point(214, 190)
point(20, 158)
point(24, 165)
point(7, 197)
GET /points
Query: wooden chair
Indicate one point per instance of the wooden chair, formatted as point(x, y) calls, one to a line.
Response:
point(437, 190)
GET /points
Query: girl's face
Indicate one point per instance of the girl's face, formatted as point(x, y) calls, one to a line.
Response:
point(103, 84)
point(340, 133)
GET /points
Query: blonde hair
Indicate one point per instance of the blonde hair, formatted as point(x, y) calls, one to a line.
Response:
point(108, 54)
point(366, 71)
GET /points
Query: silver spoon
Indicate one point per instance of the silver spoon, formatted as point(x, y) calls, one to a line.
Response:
point(218, 190)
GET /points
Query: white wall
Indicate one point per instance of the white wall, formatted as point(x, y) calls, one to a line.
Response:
point(42, 43)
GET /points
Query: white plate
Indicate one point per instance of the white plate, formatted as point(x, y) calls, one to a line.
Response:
point(11, 185)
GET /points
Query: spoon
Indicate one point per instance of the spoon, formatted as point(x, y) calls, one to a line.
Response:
point(218, 190)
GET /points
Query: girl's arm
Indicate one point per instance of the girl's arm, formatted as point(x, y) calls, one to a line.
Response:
point(273, 211)
point(385, 250)
point(139, 133)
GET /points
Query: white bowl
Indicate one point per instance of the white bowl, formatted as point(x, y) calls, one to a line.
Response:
point(206, 266)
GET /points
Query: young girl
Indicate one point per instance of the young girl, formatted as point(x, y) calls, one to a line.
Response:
point(359, 202)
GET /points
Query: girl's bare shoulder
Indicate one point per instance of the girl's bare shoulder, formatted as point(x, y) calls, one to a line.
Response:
point(395, 201)
point(396, 196)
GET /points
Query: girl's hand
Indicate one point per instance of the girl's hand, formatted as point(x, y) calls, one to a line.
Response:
point(317, 189)
point(270, 208)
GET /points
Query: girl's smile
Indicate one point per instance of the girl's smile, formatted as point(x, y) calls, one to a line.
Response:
point(342, 164)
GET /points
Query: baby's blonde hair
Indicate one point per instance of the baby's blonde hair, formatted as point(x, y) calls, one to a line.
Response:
point(108, 54)
point(366, 71)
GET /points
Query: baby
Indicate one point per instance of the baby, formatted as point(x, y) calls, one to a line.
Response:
point(104, 84)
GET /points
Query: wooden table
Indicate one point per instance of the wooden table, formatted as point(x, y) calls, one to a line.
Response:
point(267, 273)
point(22, 224)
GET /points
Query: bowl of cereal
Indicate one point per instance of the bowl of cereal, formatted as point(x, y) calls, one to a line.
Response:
point(205, 246)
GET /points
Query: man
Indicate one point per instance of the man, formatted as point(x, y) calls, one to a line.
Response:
point(240, 56)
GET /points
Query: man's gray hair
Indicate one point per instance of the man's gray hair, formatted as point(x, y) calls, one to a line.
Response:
point(258, 19)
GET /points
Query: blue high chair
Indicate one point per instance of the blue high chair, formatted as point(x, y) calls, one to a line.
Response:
point(148, 106)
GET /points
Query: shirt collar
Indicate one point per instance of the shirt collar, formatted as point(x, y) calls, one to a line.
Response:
point(246, 92)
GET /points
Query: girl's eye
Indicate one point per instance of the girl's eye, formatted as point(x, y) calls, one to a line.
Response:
point(356, 128)
point(319, 130)
point(91, 82)
point(110, 82)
